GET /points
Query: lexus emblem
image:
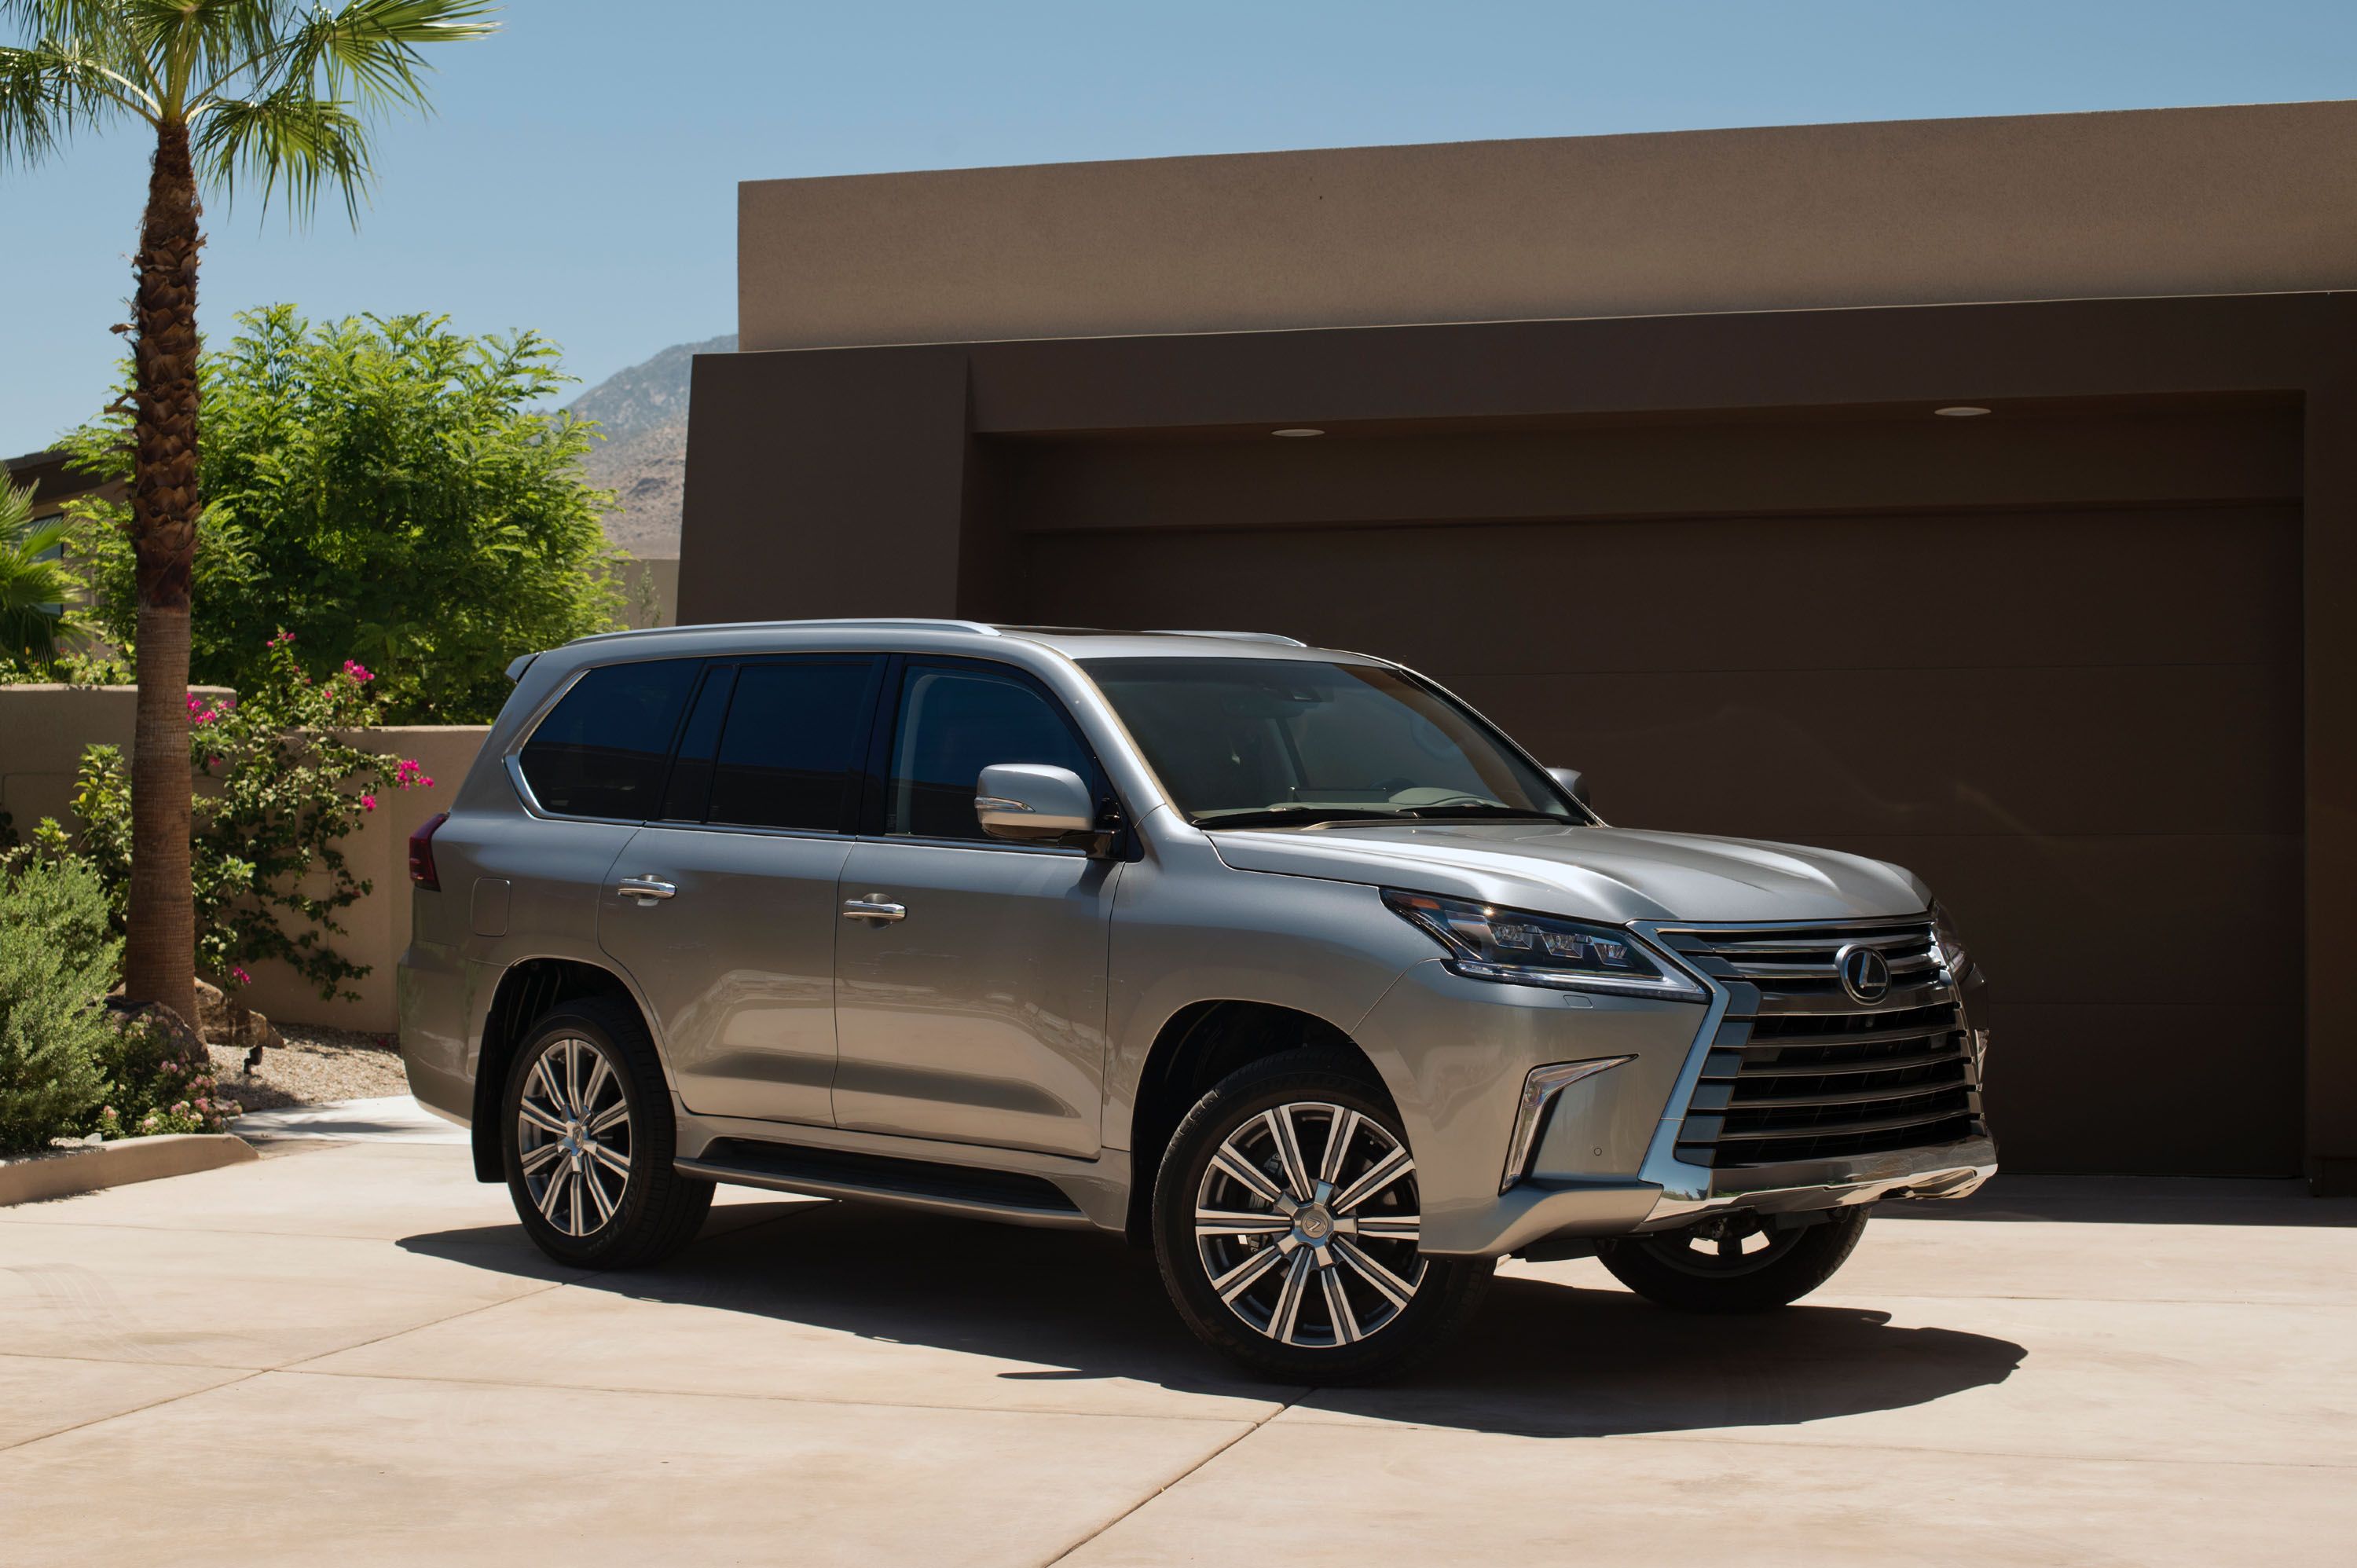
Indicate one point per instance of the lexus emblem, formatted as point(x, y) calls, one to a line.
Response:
point(1865, 973)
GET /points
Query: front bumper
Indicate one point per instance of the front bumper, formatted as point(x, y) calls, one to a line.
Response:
point(1946, 1170)
point(1542, 1207)
point(1606, 1157)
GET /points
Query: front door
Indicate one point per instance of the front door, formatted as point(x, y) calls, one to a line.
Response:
point(970, 972)
point(724, 910)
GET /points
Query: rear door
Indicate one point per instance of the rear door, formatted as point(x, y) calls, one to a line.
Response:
point(723, 907)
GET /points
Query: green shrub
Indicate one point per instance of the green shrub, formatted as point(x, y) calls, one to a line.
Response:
point(157, 1078)
point(286, 787)
point(386, 488)
point(57, 962)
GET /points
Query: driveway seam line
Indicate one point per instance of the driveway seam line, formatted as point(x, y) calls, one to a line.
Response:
point(413, 1327)
point(1175, 1480)
point(307, 1370)
point(136, 1410)
point(1375, 1424)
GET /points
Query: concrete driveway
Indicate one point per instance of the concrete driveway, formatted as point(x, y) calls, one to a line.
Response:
point(350, 1354)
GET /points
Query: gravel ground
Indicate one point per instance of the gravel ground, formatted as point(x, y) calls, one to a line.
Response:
point(317, 1064)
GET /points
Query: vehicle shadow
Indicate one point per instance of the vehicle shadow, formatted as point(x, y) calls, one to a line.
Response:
point(1543, 1358)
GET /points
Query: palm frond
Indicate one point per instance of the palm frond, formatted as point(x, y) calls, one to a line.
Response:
point(290, 139)
point(34, 587)
point(56, 86)
point(373, 46)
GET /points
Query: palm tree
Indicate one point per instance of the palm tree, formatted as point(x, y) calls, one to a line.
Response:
point(34, 585)
point(267, 91)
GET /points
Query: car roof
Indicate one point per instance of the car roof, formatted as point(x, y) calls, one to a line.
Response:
point(918, 634)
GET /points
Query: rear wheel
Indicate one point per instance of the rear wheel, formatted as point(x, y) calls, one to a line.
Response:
point(1287, 1223)
point(1735, 1262)
point(589, 1142)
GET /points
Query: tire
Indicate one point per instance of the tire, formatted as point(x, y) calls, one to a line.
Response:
point(1693, 1269)
point(1280, 1318)
point(633, 1207)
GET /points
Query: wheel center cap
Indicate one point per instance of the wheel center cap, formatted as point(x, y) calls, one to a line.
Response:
point(1313, 1222)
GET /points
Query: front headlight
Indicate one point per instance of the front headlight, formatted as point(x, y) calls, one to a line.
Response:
point(1952, 952)
point(1485, 942)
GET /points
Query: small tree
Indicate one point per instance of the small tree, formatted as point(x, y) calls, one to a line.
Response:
point(269, 91)
point(384, 490)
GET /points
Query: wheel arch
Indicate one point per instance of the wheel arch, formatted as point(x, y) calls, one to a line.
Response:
point(526, 990)
point(1198, 1045)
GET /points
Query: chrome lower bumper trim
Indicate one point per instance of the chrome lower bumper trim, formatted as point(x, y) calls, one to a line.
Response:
point(1948, 1170)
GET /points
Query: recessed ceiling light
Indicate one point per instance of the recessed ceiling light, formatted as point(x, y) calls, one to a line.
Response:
point(1959, 411)
point(1296, 433)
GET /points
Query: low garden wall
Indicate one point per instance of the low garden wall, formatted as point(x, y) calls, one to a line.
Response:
point(44, 730)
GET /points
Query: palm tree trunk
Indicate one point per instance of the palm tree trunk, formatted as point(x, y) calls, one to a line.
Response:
point(159, 951)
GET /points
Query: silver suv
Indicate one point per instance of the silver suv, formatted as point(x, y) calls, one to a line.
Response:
point(1283, 961)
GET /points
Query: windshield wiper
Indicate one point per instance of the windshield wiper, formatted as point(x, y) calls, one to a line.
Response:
point(1294, 817)
point(1483, 813)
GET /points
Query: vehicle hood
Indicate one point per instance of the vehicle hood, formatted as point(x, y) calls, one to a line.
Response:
point(1608, 874)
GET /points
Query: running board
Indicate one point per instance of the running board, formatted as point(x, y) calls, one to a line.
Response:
point(1008, 1197)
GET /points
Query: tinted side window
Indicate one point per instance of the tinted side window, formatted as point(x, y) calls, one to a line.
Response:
point(955, 723)
point(691, 768)
point(786, 752)
point(603, 751)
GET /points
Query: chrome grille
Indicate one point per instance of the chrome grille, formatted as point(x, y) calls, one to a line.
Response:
point(1800, 1070)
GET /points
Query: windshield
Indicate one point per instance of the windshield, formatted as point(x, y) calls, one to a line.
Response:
point(1288, 743)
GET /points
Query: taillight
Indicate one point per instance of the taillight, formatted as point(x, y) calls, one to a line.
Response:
point(421, 852)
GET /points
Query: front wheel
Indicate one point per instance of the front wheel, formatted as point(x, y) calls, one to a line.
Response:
point(589, 1142)
point(1287, 1221)
point(1735, 1262)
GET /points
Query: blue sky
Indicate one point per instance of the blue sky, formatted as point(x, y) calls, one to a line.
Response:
point(580, 176)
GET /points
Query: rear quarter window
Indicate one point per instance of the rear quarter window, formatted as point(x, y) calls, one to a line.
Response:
point(604, 749)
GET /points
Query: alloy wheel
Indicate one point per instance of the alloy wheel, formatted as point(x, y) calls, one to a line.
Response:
point(1306, 1225)
point(1727, 1244)
point(572, 1126)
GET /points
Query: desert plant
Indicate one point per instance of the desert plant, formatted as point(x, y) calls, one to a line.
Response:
point(57, 960)
point(35, 586)
point(267, 91)
point(389, 490)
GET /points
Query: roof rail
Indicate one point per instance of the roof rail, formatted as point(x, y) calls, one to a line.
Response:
point(1234, 636)
point(890, 623)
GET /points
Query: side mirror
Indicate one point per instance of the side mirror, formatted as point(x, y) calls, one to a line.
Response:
point(1573, 783)
point(1032, 803)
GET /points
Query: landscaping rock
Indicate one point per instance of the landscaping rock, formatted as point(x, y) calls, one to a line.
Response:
point(185, 1041)
point(226, 1020)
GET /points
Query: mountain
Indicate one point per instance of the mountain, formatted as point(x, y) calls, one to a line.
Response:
point(643, 459)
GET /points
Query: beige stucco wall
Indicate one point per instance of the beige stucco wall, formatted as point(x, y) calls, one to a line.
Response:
point(1908, 213)
point(43, 730)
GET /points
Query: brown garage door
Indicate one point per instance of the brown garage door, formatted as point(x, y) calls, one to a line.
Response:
point(2080, 727)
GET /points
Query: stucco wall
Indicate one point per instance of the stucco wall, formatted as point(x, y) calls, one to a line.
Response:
point(2221, 200)
point(43, 730)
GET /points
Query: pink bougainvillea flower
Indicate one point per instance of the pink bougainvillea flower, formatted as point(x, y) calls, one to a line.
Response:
point(211, 763)
point(368, 803)
point(357, 671)
point(281, 639)
point(239, 973)
point(428, 782)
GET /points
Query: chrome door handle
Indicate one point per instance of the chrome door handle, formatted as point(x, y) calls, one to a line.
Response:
point(646, 890)
point(874, 908)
